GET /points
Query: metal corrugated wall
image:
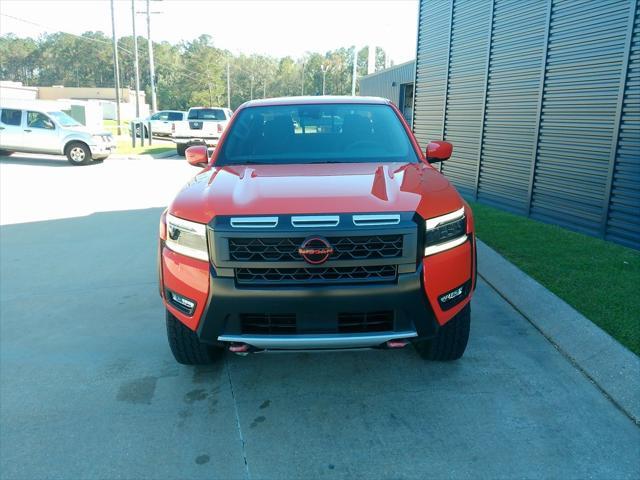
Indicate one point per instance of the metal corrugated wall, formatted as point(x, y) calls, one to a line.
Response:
point(623, 221)
point(432, 70)
point(470, 32)
point(585, 53)
point(516, 70)
point(540, 99)
point(380, 84)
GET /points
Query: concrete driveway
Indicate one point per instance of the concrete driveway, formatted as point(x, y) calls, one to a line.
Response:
point(88, 387)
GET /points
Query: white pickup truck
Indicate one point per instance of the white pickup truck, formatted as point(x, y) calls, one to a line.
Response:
point(203, 126)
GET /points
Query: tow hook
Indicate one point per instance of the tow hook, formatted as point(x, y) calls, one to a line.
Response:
point(239, 348)
point(397, 343)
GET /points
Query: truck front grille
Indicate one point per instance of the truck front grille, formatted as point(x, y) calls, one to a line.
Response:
point(290, 324)
point(365, 322)
point(366, 247)
point(268, 323)
point(307, 275)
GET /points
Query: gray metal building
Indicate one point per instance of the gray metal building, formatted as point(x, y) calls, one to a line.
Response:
point(541, 99)
point(394, 83)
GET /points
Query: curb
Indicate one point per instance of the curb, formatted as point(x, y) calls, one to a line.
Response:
point(609, 365)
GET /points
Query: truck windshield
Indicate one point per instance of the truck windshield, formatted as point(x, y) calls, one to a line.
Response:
point(64, 120)
point(321, 133)
point(207, 114)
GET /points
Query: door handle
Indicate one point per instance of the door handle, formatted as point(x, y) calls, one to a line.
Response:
point(27, 130)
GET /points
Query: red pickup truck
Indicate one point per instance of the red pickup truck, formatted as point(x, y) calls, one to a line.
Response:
point(317, 223)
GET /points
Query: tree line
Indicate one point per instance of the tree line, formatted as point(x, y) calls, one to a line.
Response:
point(188, 73)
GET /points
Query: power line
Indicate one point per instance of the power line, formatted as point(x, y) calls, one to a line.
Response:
point(179, 71)
point(96, 40)
point(46, 28)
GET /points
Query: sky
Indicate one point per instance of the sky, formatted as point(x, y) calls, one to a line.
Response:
point(272, 27)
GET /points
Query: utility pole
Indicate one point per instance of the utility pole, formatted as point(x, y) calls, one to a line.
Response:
point(210, 95)
point(251, 86)
point(325, 69)
point(264, 88)
point(371, 62)
point(116, 68)
point(354, 74)
point(228, 87)
point(303, 65)
point(152, 68)
point(135, 57)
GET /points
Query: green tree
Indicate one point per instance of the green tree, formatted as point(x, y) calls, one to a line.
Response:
point(187, 74)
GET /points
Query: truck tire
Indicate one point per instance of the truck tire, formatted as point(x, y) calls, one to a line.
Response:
point(187, 349)
point(181, 149)
point(146, 132)
point(78, 153)
point(451, 340)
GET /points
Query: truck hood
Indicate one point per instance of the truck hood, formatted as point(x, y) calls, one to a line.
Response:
point(315, 189)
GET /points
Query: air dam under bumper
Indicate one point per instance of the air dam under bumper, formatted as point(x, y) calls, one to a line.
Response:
point(316, 310)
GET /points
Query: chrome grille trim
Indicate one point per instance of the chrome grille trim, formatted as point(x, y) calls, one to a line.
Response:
point(254, 222)
point(375, 220)
point(312, 221)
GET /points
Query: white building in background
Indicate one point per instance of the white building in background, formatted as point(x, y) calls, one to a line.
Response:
point(17, 91)
point(104, 96)
point(90, 106)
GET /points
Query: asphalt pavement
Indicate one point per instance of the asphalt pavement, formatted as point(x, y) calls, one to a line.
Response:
point(89, 389)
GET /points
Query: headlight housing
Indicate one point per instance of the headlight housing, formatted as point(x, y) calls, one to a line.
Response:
point(445, 232)
point(187, 238)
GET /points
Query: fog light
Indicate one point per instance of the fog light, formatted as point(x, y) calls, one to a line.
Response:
point(181, 303)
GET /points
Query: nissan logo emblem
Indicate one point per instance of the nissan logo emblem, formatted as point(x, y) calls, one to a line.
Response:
point(315, 250)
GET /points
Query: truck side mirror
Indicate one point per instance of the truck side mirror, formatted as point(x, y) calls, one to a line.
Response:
point(198, 156)
point(438, 151)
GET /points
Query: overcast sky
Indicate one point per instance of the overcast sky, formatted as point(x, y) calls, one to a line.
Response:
point(273, 27)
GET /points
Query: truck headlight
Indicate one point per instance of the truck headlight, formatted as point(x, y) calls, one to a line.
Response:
point(445, 232)
point(187, 238)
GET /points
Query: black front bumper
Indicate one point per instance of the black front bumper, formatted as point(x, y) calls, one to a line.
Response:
point(317, 307)
point(317, 311)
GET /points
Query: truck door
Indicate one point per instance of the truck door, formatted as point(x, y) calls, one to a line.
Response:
point(41, 133)
point(11, 128)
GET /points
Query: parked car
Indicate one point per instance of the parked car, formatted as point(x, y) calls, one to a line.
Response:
point(204, 126)
point(161, 122)
point(33, 130)
point(295, 237)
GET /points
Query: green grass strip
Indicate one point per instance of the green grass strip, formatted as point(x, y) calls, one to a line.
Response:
point(600, 279)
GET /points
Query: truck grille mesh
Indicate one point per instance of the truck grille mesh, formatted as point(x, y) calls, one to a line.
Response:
point(365, 322)
point(266, 276)
point(287, 323)
point(286, 249)
point(268, 323)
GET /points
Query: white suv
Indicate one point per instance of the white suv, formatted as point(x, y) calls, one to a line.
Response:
point(31, 130)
